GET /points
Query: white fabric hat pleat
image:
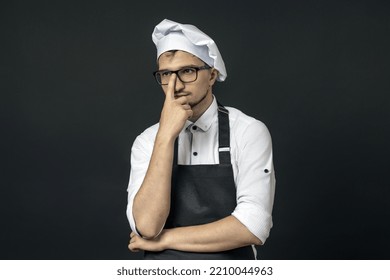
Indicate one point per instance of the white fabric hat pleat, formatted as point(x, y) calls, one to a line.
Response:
point(169, 35)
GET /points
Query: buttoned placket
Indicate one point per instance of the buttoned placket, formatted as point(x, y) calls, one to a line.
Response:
point(191, 130)
point(193, 152)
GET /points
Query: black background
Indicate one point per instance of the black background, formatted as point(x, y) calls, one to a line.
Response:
point(76, 89)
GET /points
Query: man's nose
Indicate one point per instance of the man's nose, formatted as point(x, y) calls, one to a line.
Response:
point(179, 85)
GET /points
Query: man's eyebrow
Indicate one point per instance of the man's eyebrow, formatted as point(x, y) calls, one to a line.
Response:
point(186, 66)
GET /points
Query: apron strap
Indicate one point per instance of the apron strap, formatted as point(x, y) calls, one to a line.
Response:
point(223, 137)
point(175, 151)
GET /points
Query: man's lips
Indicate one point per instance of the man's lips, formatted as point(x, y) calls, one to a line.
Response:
point(177, 95)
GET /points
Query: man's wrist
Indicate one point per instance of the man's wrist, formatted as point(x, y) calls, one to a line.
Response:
point(167, 239)
point(165, 137)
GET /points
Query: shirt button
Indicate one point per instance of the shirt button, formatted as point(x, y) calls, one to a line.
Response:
point(266, 170)
point(194, 127)
point(195, 153)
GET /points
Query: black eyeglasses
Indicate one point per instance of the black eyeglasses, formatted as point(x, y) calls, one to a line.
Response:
point(186, 75)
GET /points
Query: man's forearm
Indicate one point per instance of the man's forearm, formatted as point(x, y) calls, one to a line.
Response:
point(152, 202)
point(225, 234)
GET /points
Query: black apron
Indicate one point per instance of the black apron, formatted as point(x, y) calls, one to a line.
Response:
point(202, 194)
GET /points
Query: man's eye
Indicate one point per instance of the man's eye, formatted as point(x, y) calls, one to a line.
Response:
point(188, 70)
point(165, 73)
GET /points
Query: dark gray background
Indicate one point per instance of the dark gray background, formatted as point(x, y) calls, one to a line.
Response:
point(76, 88)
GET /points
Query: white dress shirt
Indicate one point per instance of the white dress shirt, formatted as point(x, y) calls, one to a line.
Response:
point(251, 157)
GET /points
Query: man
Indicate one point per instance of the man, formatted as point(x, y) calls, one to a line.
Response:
point(202, 180)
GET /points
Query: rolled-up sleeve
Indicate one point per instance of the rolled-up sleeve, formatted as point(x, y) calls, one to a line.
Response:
point(255, 180)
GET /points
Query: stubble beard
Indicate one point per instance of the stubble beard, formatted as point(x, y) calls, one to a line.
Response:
point(196, 105)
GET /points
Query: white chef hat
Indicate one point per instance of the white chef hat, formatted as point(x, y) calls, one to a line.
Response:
point(169, 35)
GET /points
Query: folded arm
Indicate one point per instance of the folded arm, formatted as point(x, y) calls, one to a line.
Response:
point(225, 234)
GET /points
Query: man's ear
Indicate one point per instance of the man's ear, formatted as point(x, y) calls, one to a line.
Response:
point(213, 76)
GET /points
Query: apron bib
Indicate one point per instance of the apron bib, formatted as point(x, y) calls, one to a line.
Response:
point(202, 194)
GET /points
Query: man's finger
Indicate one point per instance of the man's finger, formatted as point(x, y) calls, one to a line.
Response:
point(190, 113)
point(171, 87)
point(182, 100)
point(186, 107)
point(132, 248)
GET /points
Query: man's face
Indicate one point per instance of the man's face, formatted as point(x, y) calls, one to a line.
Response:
point(198, 92)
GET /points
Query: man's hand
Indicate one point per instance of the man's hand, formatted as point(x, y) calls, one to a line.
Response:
point(138, 243)
point(175, 111)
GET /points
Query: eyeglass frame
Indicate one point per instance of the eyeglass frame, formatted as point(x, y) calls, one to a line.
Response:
point(197, 68)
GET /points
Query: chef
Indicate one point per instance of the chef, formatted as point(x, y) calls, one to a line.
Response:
point(202, 180)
